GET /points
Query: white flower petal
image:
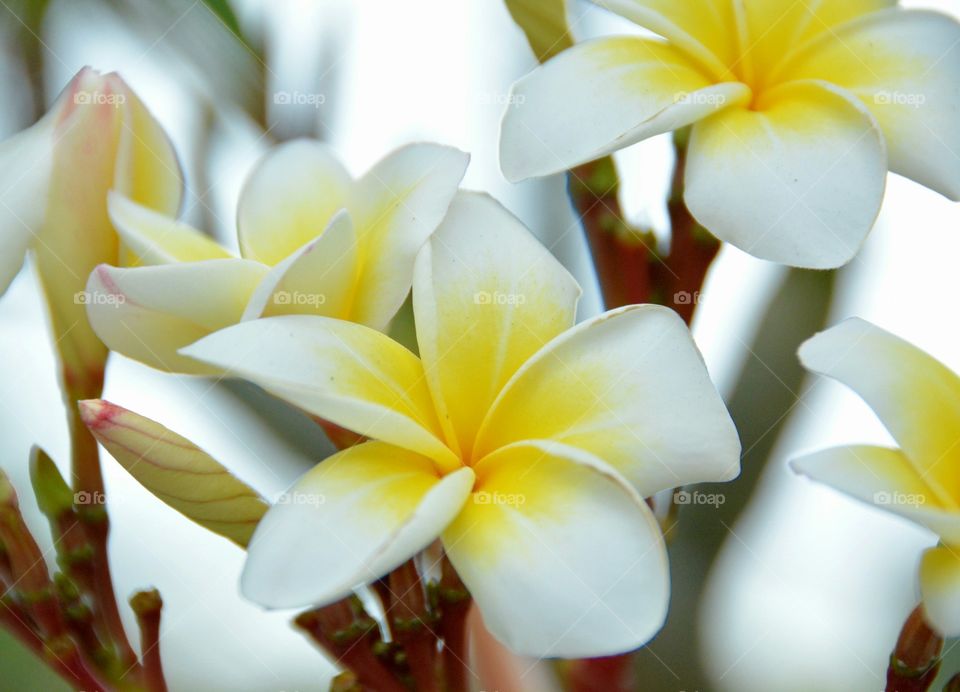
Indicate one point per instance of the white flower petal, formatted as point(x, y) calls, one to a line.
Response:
point(561, 555)
point(148, 313)
point(318, 279)
point(348, 521)
point(25, 161)
point(798, 180)
point(629, 387)
point(940, 589)
point(884, 478)
point(343, 372)
point(289, 199)
point(155, 238)
point(916, 396)
point(399, 203)
point(487, 296)
point(905, 66)
point(600, 96)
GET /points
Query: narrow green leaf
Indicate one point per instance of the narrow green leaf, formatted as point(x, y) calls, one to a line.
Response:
point(176, 471)
point(223, 11)
point(54, 496)
point(545, 24)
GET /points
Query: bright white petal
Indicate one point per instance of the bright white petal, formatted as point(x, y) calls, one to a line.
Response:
point(155, 238)
point(345, 373)
point(940, 589)
point(348, 521)
point(487, 295)
point(318, 279)
point(884, 478)
point(916, 396)
point(399, 203)
point(561, 555)
point(905, 66)
point(601, 96)
point(629, 387)
point(289, 199)
point(148, 313)
point(25, 161)
point(799, 180)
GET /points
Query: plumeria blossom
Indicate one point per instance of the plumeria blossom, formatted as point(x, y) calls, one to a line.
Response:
point(54, 180)
point(918, 399)
point(798, 111)
point(524, 443)
point(312, 241)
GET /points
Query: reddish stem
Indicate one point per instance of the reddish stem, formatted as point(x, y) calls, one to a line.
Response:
point(454, 602)
point(147, 605)
point(915, 661)
point(409, 619)
point(348, 635)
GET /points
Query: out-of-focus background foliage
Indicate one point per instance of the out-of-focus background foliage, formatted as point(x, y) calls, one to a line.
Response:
point(786, 586)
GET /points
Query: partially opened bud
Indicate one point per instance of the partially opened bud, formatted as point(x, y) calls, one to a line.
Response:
point(54, 180)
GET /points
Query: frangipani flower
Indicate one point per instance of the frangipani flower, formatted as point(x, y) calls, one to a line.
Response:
point(312, 240)
point(798, 111)
point(54, 179)
point(522, 442)
point(918, 399)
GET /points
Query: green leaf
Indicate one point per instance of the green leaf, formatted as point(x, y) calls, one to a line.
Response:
point(223, 11)
point(176, 471)
point(545, 24)
point(54, 496)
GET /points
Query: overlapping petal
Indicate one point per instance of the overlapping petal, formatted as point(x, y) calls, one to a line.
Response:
point(775, 27)
point(707, 31)
point(799, 179)
point(348, 521)
point(905, 67)
point(561, 555)
point(940, 589)
point(600, 96)
point(25, 161)
point(916, 397)
point(886, 479)
point(629, 387)
point(487, 296)
point(156, 238)
point(148, 313)
point(398, 203)
point(317, 279)
point(343, 372)
point(289, 199)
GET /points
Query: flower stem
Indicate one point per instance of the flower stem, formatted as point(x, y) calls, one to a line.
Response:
point(915, 661)
point(147, 605)
point(349, 635)
point(92, 513)
point(410, 623)
point(454, 600)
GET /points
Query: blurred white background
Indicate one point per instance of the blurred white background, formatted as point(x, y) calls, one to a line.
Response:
point(810, 589)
